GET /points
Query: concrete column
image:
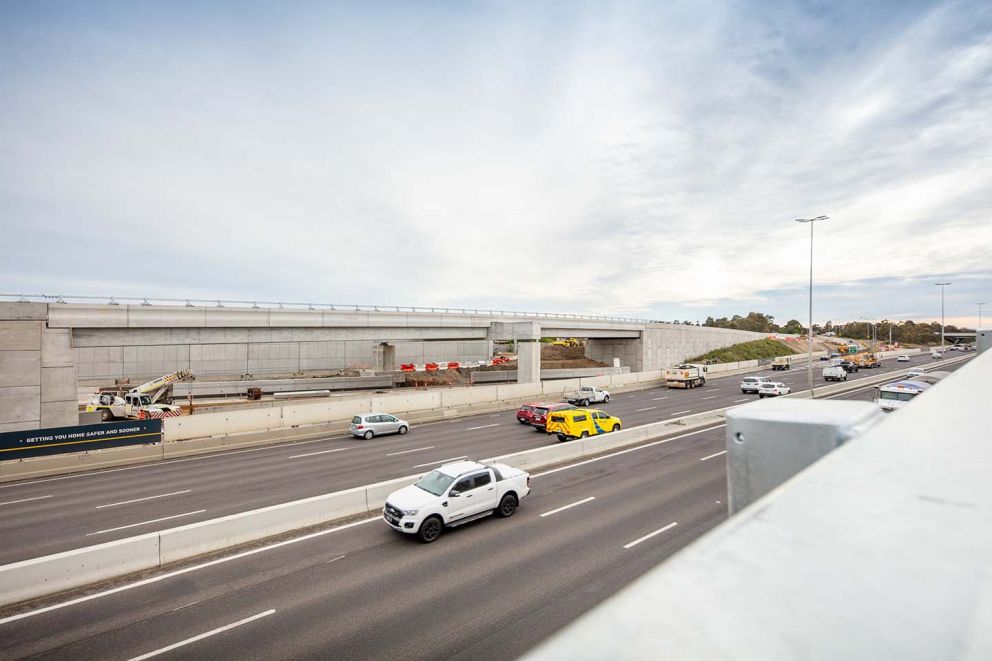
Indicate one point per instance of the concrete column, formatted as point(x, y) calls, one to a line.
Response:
point(528, 361)
point(388, 357)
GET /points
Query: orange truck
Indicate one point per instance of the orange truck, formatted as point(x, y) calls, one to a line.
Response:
point(865, 360)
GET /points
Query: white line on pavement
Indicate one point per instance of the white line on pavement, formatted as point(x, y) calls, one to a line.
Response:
point(184, 570)
point(393, 454)
point(650, 535)
point(310, 454)
point(495, 424)
point(145, 523)
point(655, 399)
point(686, 411)
point(737, 401)
point(647, 409)
point(335, 559)
point(24, 500)
point(138, 500)
point(439, 461)
point(212, 632)
point(710, 456)
point(565, 507)
point(710, 397)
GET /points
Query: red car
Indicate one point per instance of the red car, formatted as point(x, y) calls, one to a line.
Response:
point(535, 414)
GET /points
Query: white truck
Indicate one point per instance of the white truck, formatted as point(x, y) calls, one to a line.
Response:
point(149, 400)
point(689, 375)
point(453, 494)
point(586, 395)
point(834, 373)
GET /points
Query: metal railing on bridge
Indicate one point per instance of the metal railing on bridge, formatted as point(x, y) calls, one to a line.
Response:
point(283, 305)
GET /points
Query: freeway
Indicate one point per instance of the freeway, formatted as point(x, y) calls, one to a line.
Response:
point(56, 514)
point(488, 590)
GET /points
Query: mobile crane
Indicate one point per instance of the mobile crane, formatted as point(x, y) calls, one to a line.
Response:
point(147, 401)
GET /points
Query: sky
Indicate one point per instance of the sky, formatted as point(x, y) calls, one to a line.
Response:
point(640, 159)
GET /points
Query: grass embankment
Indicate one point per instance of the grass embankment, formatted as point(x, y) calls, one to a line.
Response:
point(745, 351)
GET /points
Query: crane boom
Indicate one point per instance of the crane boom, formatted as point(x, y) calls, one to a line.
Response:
point(161, 384)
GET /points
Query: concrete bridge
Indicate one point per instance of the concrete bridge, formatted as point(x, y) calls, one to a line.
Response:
point(48, 348)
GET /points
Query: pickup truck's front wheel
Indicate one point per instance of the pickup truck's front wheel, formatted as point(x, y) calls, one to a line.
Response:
point(507, 506)
point(606, 399)
point(430, 530)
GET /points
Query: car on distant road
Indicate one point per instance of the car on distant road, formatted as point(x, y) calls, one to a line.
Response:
point(849, 366)
point(773, 389)
point(750, 384)
point(535, 414)
point(824, 357)
point(367, 425)
point(936, 354)
point(913, 373)
point(453, 494)
point(903, 358)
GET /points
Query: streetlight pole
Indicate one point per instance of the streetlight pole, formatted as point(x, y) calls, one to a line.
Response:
point(941, 285)
point(809, 366)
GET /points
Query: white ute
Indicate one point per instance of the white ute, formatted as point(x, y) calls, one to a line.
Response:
point(453, 494)
point(586, 395)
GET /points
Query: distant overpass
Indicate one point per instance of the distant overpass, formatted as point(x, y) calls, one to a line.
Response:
point(48, 344)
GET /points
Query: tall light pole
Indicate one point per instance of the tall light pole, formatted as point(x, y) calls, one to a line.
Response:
point(809, 367)
point(941, 285)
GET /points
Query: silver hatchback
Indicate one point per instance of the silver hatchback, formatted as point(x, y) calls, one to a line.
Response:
point(368, 425)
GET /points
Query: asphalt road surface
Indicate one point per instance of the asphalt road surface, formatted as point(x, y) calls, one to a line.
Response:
point(49, 515)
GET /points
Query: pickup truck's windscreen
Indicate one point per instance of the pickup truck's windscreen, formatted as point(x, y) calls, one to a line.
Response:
point(435, 482)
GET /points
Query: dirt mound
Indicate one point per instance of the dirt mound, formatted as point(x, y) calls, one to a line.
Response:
point(551, 352)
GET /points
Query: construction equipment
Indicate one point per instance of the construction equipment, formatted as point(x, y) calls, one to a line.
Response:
point(147, 401)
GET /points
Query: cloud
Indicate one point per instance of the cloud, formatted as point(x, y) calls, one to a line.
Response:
point(633, 158)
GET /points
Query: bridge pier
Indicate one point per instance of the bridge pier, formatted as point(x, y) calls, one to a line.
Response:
point(527, 338)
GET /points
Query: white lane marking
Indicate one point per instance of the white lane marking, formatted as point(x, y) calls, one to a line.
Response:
point(737, 401)
point(439, 461)
point(656, 399)
point(168, 462)
point(710, 456)
point(711, 397)
point(650, 535)
point(495, 415)
point(180, 572)
point(207, 634)
point(650, 408)
point(335, 559)
point(569, 506)
point(393, 454)
point(24, 500)
point(686, 411)
point(138, 500)
point(495, 424)
point(179, 608)
point(145, 523)
point(617, 454)
point(310, 454)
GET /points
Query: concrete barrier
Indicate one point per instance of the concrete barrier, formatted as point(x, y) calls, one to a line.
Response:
point(206, 536)
point(28, 579)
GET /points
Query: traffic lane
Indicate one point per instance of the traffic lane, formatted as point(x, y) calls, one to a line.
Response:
point(247, 481)
point(367, 579)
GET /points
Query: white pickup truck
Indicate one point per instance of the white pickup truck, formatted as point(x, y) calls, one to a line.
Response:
point(453, 494)
point(586, 395)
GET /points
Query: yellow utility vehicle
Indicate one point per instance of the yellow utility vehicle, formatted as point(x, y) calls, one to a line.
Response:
point(581, 423)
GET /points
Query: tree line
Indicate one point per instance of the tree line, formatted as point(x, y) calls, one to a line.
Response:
point(904, 332)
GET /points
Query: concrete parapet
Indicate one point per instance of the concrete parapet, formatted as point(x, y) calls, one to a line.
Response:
point(72, 569)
